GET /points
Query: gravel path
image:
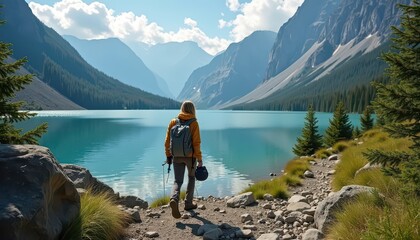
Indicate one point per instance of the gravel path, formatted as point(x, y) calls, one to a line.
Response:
point(250, 222)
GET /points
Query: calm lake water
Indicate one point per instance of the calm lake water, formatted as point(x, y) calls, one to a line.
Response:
point(125, 149)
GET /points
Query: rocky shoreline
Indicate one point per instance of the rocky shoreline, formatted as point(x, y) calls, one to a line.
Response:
point(269, 218)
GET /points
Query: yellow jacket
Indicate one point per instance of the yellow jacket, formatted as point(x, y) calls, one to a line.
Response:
point(195, 133)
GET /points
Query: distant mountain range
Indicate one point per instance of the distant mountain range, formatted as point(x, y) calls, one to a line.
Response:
point(117, 60)
point(173, 61)
point(327, 52)
point(231, 74)
point(55, 62)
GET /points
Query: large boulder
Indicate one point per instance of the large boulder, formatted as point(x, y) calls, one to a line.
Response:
point(324, 214)
point(82, 178)
point(243, 199)
point(37, 199)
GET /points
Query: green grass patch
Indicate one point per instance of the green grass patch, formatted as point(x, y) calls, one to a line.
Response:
point(373, 217)
point(341, 146)
point(297, 166)
point(352, 222)
point(352, 157)
point(99, 218)
point(292, 180)
point(276, 187)
point(322, 153)
point(160, 201)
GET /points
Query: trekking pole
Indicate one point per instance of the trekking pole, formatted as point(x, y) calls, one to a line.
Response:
point(169, 170)
point(163, 179)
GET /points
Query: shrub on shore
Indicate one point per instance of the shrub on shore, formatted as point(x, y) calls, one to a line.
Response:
point(277, 186)
point(99, 219)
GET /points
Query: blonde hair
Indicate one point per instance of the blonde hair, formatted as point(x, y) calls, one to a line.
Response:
point(188, 107)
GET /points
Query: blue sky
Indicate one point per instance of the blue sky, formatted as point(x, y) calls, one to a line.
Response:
point(213, 24)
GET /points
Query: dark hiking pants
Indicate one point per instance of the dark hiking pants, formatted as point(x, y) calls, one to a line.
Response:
point(180, 163)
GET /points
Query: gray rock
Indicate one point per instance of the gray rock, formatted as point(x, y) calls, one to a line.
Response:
point(251, 227)
point(298, 206)
point(306, 193)
point(205, 228)
point(201, 207)
point(332, 172)
point(213, 234)
point(135, 215)
point(333, 157)
point(324, 214)
point(37, 198)
point(132, 201)
point(246, 233)
point(308, 174)
point(312, 234)
point(292, 217)
point(242, 199)
point(246, 217)
point(308, 218)
point(269, 236)
point(82, 178)
point(151, 234)
point(287, 237)
point(297, 198)
point(267, 206)
point(268, 197)
point(271, 214)
point(367, 167)
point(309, 211)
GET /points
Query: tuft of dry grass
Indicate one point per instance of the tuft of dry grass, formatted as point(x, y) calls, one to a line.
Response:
point(99, 219)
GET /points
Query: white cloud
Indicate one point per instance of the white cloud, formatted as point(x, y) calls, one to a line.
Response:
point(261, 15)
point(233, 5)
point(190, 22)
point(95, 20)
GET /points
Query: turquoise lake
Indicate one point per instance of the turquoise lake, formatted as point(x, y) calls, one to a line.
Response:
point(125, 149)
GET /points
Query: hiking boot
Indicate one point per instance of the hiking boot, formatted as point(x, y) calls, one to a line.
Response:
point(190, 206)
point(174, 206)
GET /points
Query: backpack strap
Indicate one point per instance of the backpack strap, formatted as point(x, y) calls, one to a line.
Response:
point(182, 122)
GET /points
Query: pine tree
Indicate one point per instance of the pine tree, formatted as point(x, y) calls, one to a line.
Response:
point(399, 101)
point(9, 111)
point(340, 127)
point(366, 120)
point(356, 132)
point(310, 140)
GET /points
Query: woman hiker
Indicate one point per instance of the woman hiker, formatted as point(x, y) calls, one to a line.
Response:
point(185, 117)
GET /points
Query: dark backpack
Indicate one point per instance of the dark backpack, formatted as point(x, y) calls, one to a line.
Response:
point(181, 139)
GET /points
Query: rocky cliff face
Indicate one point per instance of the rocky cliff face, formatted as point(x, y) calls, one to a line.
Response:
point(337, 22)
point(298, 34)
point(231, 74)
